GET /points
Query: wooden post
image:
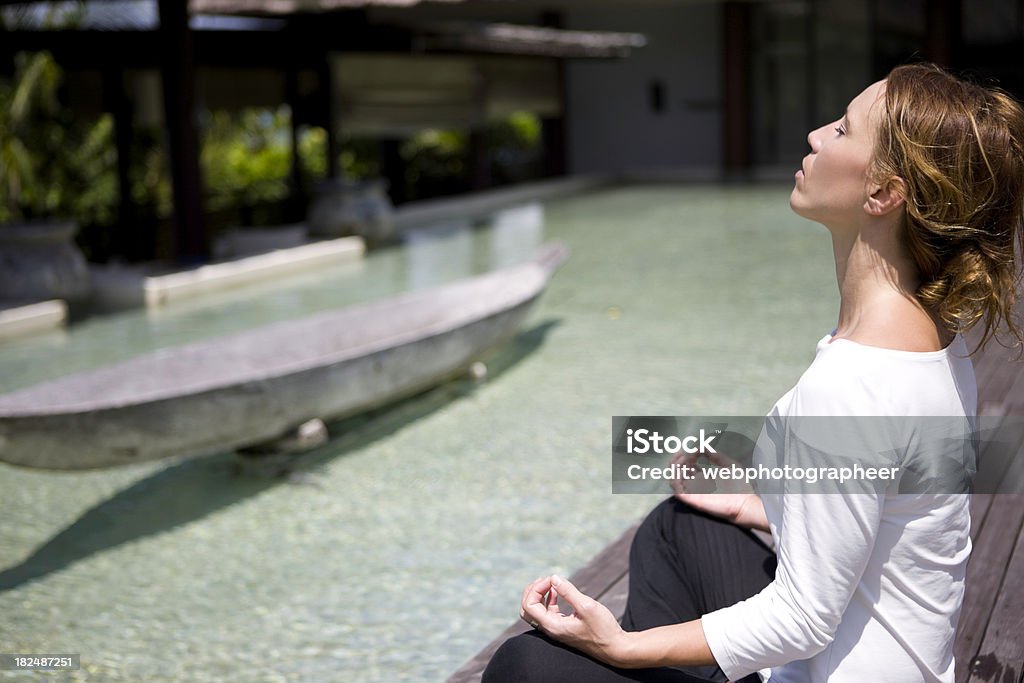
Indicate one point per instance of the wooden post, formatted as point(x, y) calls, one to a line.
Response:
point(297, 200)
point(554, 136)
point(6, 53)
point(480, 177)
point(327, 113)
point(176, 42)
point(117, 103)
point(736, 86)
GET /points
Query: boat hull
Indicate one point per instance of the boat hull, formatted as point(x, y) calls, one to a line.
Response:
point(256, 409)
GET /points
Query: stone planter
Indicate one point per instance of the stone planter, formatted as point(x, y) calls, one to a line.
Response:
point(40, 261)
point(345, 207)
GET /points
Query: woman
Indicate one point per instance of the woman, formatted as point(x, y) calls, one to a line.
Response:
point(921, 185)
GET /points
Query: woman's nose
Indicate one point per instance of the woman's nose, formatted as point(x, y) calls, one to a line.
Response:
point(817, 136)
point(814, 139)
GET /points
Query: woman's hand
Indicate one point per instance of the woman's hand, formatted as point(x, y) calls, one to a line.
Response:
point(733, 500)
point(591, 628)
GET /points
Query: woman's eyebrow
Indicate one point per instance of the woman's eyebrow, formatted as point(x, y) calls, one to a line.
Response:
point(846, 119)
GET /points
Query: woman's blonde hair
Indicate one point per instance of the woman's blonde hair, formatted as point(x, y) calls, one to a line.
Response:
point(959, 147)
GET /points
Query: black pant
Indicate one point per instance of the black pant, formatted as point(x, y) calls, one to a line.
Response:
point(684, 563)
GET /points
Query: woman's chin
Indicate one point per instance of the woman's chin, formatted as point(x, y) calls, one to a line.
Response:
point(796, 203)
point(799, 206)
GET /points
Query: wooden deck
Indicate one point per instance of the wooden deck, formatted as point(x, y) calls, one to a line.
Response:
point(990, 637)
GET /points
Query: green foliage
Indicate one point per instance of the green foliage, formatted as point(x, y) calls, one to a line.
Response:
point(435, 162)
point(360, 158)
point(246, 158)
point(150, 182)
point(32, 92)
point(246, 161)
point(313, 152)
point(524, 129)
point(51, 165)
point(92, 163)
point(514, 145)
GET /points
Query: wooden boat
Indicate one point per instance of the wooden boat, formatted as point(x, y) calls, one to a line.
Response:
point(250, 387)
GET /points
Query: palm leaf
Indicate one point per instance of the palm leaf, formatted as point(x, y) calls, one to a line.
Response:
point(37, 83)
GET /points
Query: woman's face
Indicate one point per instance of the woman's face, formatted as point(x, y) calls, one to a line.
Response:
point(832, 185)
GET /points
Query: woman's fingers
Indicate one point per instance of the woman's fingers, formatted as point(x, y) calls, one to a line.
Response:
point(534, 594)
point(720, 459)
point(552, 601)
point(527, 593)
point(572, 595)
point(540, 601)
point(684, 458)
point(534, 606)
point(591, 628)
point(522, 601)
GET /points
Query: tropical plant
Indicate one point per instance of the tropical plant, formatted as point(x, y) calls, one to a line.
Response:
point(32, 92)
point(246, 159)
point(51, 165)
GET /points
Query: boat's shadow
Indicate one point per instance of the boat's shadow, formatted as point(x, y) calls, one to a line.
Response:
point(191, 489)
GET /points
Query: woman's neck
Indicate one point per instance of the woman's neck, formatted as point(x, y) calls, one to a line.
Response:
point(877, 281)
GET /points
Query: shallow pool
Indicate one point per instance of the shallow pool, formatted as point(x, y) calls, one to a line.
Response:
point(400, 548)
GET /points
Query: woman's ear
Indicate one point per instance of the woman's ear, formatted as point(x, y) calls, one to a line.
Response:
point(886, 197)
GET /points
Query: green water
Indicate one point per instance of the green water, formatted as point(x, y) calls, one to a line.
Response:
point(401, 547)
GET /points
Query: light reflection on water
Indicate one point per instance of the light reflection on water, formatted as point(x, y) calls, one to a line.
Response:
point(402, 546)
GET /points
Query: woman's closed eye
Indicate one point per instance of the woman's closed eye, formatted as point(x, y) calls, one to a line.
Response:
point(840, 130)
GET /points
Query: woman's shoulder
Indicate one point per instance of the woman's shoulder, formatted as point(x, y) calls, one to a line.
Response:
point(848, 377)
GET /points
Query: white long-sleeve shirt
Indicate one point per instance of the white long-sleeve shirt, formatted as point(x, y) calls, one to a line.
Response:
point(869, 585)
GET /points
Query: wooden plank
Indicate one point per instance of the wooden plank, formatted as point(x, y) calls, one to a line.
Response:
point(471, 671)
point(1001, 655)
point(992, 463)
point(1013, 402)
point(996, 387)
point(985, 572)
point(980, 504)
point(995, 369)
point(1001, 461)
point(615, 597)
point(604, 577)
point(1013, 476)
point(989, 361)
point(986, 365)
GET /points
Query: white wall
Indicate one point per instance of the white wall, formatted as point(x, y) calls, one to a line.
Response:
point(611, 125)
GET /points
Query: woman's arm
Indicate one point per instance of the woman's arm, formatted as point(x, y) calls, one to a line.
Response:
point(593, 629)
point(752, 515)
point(794, 617)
